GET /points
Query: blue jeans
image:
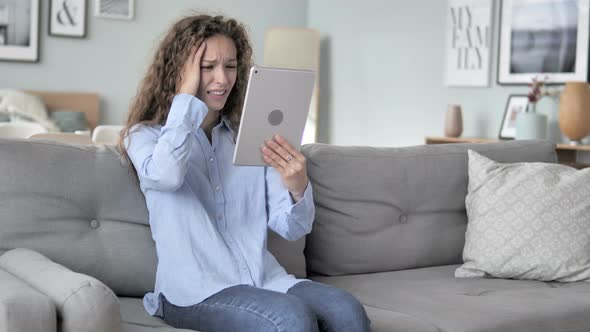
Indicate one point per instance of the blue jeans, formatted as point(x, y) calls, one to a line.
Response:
point(307, 306)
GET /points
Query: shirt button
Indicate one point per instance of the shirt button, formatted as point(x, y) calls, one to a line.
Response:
point(217, 188)
point(211, 159)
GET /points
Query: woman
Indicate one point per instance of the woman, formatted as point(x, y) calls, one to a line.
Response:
point(209, 218)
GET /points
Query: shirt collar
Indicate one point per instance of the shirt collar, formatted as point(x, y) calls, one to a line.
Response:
point(225, 120)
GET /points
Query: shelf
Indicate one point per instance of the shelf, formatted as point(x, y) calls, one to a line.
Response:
point(566, 154)
point(442, 140)
point(572, 147)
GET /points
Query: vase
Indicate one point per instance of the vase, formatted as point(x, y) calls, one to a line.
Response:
point(530, 124)
point(574, 112)
point(549, 106)
point(453, 121)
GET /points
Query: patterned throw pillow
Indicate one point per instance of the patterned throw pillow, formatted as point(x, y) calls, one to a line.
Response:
point(69, 121)
point(527, 221)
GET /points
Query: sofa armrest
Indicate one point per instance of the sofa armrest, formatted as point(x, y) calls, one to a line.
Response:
point(83, 303)
point(23, 308)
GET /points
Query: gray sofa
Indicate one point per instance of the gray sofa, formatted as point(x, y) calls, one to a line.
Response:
point(389, 228)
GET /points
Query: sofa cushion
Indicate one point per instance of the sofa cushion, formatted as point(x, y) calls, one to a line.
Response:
point(23, 308)
point(383, 209)
point(141, 328)
point(69, 121)
point(436, 298)
point(383, 320)
point(135, 318)
point(83, 303)
point(527, 221)
point(288, 253)
point(81, 207)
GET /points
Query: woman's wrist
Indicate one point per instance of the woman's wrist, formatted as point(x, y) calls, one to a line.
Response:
point(297, 195)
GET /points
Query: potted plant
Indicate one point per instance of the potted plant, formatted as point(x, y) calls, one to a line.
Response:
point(530, 124)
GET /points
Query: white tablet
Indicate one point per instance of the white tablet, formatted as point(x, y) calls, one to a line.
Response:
point(277, 102)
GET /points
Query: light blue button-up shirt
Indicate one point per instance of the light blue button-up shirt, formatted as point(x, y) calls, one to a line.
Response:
point(209, 218)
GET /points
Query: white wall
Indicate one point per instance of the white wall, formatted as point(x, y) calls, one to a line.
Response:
point(382, 72)
point(382, 66)
point(113, 57)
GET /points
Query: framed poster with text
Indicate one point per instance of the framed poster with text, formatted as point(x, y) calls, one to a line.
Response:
point(469, 41)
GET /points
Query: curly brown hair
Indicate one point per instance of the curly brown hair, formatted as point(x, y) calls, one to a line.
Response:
point(159, 86)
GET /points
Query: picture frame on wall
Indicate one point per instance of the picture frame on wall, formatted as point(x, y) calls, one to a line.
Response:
point(514, 105)
point(115, 9)
point(468, 42)
point(67, 18)
point(19, 30)
point(543, 38)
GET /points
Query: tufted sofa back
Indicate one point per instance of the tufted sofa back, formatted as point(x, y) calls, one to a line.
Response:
point(81, 207)
point(386, 209)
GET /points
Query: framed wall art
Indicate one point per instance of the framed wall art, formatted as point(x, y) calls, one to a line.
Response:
point(468, 45)
point(543, 38)
point(117, 9)
point(515, 105)
point(67, 18)
point(19, 30)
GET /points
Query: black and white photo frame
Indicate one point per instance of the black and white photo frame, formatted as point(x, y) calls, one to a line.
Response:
point(67, 18)
point(19, 30)
point(543, 38)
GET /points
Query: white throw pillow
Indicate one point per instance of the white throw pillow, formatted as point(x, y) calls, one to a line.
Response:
point(26, 106)
point(527, 221)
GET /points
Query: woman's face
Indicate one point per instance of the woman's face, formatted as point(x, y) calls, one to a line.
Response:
point(219, 69)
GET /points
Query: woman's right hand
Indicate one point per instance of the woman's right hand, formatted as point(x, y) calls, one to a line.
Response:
point(191, 71)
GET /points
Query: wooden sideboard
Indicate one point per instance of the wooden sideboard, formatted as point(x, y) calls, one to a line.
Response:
point(566, 154)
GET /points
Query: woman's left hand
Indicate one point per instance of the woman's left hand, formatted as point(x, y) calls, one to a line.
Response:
point(289, 162)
